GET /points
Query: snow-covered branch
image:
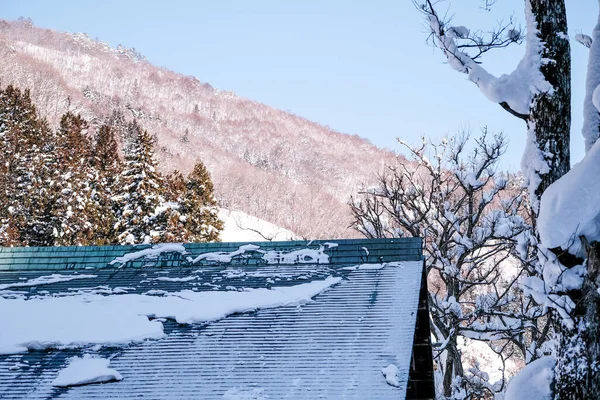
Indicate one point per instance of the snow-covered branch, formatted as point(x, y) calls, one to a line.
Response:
point(463, 49)
point(585, 40)
point(591, 102)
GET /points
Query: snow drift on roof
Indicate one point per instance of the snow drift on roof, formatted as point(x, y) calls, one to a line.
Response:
point(85, 371)
point(81, 320)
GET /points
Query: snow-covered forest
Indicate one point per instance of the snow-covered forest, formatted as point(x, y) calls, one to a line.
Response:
point(69, 186)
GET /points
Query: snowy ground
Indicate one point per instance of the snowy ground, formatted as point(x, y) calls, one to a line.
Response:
point(241, 227)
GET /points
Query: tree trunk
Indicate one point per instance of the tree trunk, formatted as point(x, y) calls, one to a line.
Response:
point(448, 374)
point(591, 337)
point(550, 116)
point(453, 367)
point(578, 367)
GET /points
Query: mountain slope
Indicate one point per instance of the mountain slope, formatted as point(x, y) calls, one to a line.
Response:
point(241, 227)
point(268, 163)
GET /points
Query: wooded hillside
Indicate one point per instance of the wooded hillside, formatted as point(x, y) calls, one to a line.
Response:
point(306, 170)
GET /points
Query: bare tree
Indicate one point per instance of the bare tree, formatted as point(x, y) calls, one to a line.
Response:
point(471, 218)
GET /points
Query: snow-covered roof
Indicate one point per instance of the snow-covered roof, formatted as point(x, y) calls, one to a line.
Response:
point(272, 320)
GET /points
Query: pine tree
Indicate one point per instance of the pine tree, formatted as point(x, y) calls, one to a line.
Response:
point(199, 206)
point(60, 188)
point(174, 220)
point(191, 211)
point(118, 125)
point(25, 143)
point(7, 144)
point(76, 213)
point(106, 150)
point(138, 199)
point(107, 166)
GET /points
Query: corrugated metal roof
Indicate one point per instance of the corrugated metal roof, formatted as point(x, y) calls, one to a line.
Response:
point(331, 348)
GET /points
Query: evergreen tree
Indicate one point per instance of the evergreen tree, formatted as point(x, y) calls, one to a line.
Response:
point(200, 207)
point(76, 213)
point(25, 142)
point(7, 147)
point(116, 121)
point(139, 194)
point(174, 220)
point(191, 211)
point(60, 188)
point(106, 150)
point(108, 166)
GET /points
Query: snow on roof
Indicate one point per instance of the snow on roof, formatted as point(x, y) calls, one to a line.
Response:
point(246, 328)
point(86, 370)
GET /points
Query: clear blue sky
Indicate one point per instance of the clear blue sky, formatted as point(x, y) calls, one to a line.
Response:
point(360, 67)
